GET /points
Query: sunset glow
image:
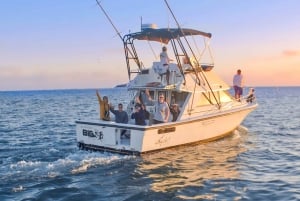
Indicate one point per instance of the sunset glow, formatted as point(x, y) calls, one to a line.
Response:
point(70, 44)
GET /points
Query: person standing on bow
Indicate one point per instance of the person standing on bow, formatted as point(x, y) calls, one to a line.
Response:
point(165, 60)
point(104, 107)
point(162, 110)
point(238, 85)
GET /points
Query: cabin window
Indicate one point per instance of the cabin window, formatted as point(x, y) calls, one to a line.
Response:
point(178, 98)
point(145, 71)
point(144, 98)
point(221, 96)
point(206, 98)
point(225, 96)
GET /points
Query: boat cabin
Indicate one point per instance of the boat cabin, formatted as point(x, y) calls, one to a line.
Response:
point(176, 101)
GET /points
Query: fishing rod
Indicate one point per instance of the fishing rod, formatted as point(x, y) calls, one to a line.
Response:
point(198, 79)
point(125, 46)
point(179, 27)
point(109, 20)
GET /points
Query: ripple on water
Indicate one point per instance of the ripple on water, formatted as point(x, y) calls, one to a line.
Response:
point(40, 160)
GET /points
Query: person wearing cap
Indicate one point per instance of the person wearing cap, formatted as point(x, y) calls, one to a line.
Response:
point(139, 115)
point(104, 107)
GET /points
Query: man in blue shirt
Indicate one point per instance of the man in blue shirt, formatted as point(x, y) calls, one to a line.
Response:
point(120, 116)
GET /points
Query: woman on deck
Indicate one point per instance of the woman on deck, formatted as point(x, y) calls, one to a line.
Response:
point(104, 107)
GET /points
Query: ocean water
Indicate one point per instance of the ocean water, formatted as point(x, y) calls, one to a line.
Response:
point(39, 158)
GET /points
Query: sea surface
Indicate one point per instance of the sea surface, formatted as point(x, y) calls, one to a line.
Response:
point(39, 158)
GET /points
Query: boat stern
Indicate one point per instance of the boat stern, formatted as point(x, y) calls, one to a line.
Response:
point(109, 136)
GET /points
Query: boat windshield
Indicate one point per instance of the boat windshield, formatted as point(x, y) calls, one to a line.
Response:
point(172, 97)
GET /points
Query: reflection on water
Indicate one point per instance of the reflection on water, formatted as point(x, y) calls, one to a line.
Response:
point(191, 166)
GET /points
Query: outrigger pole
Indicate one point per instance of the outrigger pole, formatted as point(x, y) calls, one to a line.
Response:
point(109, 20)
point(125, 47)
point(198, 79)
point(179, 27)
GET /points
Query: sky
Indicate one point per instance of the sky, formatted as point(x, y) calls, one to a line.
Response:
point(67, 44)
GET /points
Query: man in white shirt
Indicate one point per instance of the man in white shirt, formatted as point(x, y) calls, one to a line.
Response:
point(162, 110)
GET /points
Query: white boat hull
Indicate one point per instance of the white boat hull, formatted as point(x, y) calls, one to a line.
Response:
point(103, 135)
point(200, 105)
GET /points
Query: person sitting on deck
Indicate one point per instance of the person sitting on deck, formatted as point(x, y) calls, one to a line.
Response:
point(251, 96)
point(104, 107)
point(185, 60)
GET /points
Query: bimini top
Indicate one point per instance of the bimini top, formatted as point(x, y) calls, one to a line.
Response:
point(164, 35)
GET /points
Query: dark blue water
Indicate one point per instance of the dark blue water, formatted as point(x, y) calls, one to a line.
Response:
point(40, 159)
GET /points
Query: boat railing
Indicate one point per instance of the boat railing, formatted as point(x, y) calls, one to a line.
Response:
point(209, 109)
point(175, 75)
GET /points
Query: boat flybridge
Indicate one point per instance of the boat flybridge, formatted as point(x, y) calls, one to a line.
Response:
point(206, 110)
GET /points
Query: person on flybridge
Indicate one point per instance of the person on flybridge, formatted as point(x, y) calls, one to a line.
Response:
point(165, 60)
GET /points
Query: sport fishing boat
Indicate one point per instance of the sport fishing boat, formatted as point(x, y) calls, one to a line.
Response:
point(206, 110)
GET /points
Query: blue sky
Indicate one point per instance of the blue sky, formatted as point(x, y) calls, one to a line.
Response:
point(58, 44)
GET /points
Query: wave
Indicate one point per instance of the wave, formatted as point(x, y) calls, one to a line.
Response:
point(74, 163)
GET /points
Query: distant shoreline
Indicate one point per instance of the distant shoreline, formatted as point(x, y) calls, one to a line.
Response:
point(122, 86)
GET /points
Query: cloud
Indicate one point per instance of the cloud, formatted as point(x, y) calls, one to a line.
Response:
point(291, 53)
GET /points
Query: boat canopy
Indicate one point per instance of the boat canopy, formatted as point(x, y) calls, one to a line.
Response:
point(164, 35)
